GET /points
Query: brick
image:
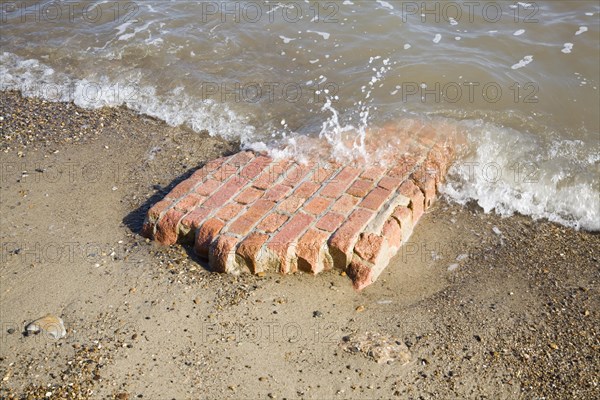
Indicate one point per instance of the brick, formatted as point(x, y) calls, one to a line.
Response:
point(306, 189)
point(361, 274)
point(226, 192)
point(166, 230)
point(311, 252)
point(277, 192)
point(417, 200)
point(392, 232)
point(249, 195)
point(426, 182)
point(229, 211)
point(147, 230)
point(345, 204)
point(330, 221)
point(208, 187)
point(342, 241)
point(222, 254)
point(324, 172)
point(193, 220)
point(158, 209)
point(189, 202)
point(225, 172)
point(255, 167)
point(360, 188)
point(203, 172)
point(181, 189)
point(296, 174)
point(403, 168)
point(282, 245)
point(247, 220)
point(272, 222)
point(340, 182)
point(376, 198)
point(389, 183)
point(403, 215)
point(369, 247)
point(373, 173)
point(317, 205)
point(206, 234)
point(291, 204)
point(271, 174)
point(250, 249)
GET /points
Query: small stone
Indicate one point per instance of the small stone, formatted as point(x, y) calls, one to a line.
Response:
point(317, 314)
point(261, 274)
point(360, 308)
point(122, 396)
point(553, 346)
point(50, 324)
point(197, 300)
point(10, 331)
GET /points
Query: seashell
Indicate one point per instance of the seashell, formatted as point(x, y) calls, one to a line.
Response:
point(52, 325)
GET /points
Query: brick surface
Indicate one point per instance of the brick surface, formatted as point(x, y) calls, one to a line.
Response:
point(249, 213)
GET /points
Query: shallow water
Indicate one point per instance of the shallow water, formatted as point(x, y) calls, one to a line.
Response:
point(520, 80)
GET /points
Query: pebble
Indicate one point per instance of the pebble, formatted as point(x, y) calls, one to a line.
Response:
point(50, 324)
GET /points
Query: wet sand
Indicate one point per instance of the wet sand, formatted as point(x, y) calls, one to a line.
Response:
point(488, 307)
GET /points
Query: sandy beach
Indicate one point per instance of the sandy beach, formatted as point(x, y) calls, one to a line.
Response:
point(488, 307)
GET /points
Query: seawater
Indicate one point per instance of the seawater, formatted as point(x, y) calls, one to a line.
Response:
point(519, 80)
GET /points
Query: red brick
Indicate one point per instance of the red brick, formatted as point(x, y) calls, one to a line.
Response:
point(306, 189)
point(157, 209)
point(311, 250)
point(425, 182)
point(369, 247)
point(181, 189)
point(403, 168)
point(255, 167)
point(204, 172)
point(392, 232)
point(404, 217)
point(250, 251)
point(417, 200)
point(340, 183)
point(376, 198)
point(206, 234)
point(229, 211)
point(283, 243)
point(222, 254)
point(330, 221)
point(291, 204)
point(345, 204)
point(147, 230)
point(272, 222)
point(226, 192)
point(373, 173)
point(193, 220)
point(271, 174)
point(246, 221)
point(389, 183)
point(361, 274)
point(342, 241)
point(249, 195)
point(225, 172)
point(317, 205)
point(189, 202)
point(324, 172)
point(208, 187)
point(295, 174)
point(360, 188)
point(277, 192)
point(166, 230)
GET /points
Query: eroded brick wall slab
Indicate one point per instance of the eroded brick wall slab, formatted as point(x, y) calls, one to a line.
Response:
point(251, 213)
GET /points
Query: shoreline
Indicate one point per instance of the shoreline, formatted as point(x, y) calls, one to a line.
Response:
point(505, 315)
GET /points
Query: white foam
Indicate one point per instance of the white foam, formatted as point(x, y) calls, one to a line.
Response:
point(437, 38)
point(385, 4)
point(523, 62)
point(507, 171)
point(519, 32)
point(567, 48)
point(581, 30)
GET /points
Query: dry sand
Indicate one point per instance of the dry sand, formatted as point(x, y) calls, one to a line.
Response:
point(516, 316)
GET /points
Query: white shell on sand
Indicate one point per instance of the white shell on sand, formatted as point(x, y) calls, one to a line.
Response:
point(51, 325)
